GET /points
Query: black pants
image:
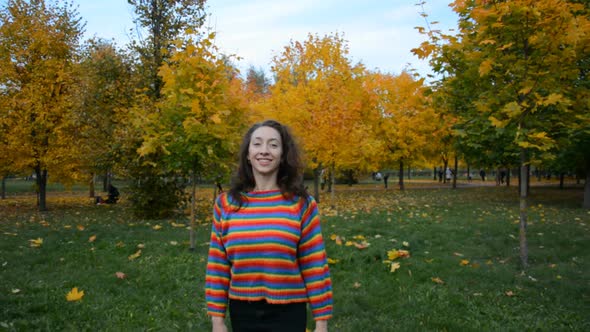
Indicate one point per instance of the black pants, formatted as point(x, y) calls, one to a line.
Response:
point(260, 316)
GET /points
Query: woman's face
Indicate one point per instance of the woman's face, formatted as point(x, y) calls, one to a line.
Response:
point(265, 151)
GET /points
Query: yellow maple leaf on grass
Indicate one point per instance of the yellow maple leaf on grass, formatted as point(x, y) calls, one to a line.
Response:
point(464, 262)
point(394, 266)
point(92, 238)
point(36, 243)
point(74, 295)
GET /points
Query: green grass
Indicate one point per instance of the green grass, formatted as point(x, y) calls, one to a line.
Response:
point(164, 288)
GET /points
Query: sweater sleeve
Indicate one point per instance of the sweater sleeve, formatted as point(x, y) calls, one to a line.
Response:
point(218, 268)
point(313, 263)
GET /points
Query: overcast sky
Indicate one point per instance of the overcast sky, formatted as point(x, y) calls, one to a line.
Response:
point(380, 33)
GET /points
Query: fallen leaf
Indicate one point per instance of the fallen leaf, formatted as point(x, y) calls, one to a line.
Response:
point(74, 295)
point(394, 254)
point(15, 291)
point(120, 275)
point(437, 280)
point(332, 261)
point(157, 227)
point(509, 293)
point(36, 243)
point(357, 284)
point(405, 244)
point(458, 254)
point(362, 245)
point(92, 238)
point(464, 262)
point(394, 267)
point(141, 246)
point(174, 243)
point(120, 244)
point(134, 256)
point(80, 227)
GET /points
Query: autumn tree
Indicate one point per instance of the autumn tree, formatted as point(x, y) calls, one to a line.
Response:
point(159, 24)
point(197, 128)
point(38, 47)
point(105, 92)
point(318, 92)
point(404, 123)
point(520, 60)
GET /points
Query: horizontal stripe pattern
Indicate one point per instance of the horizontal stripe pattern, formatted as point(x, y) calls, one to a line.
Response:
point(271, 249)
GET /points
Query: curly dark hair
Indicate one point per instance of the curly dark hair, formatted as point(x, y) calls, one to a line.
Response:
point(290, 175)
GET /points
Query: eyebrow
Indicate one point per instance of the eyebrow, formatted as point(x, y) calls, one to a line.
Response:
point(270, 139)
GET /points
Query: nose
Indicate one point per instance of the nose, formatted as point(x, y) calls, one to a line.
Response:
point(264, 149)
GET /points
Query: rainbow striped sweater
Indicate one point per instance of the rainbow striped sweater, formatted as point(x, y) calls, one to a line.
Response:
point(271, 249)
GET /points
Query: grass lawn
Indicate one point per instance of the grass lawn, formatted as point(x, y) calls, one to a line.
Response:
point(463, 271)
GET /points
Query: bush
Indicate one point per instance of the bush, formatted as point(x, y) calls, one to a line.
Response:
point(156, 197)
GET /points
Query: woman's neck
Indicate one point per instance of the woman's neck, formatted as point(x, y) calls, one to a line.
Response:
point(264, 183)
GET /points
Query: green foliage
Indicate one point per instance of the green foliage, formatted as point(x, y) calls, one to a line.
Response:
point(154, 196)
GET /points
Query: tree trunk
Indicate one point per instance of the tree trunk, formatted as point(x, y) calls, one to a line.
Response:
point(561, 180)
point(586, 204)
point(434, 177)
point(193, 217)
point(91, 192)
point(332, 185)
point(401, 174)
point(317, 172)
point(455, 170)
point(3, 187)
point(41, 188)
point(508, 174)
point(524, 174)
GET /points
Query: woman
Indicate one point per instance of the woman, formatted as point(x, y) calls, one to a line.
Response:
point(267, 258)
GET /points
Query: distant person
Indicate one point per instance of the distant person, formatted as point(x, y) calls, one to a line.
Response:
point(502, 176)
point(112, 196)
point(482, 174)
point(449, 174)
point(378, 176)
point(440, 174)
